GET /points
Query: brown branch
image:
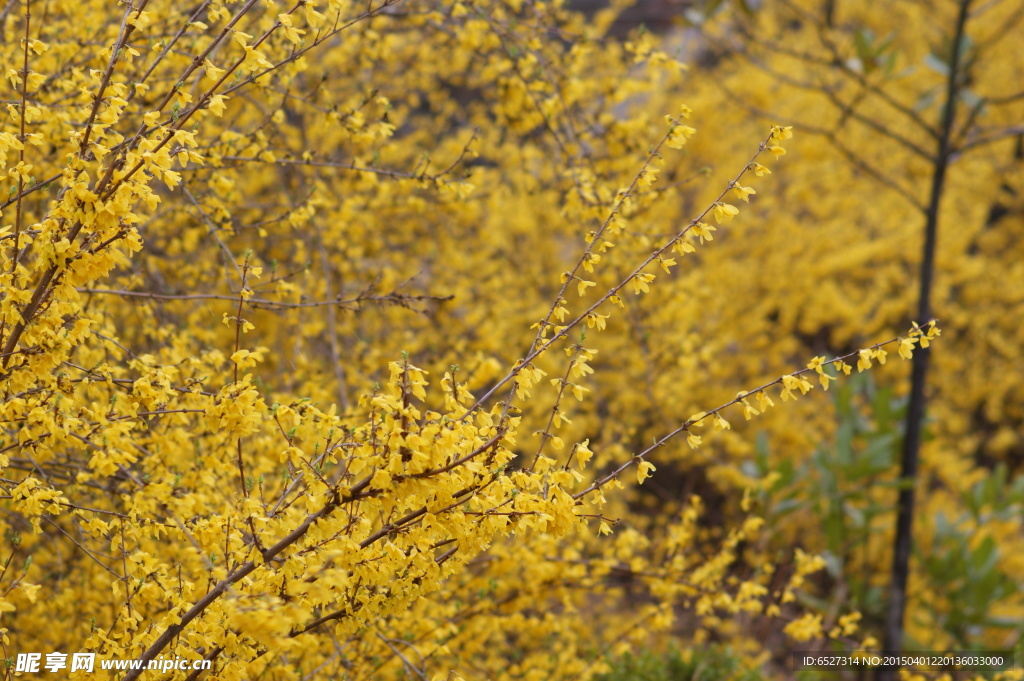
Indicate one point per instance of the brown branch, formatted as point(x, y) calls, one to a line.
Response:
point(115, 51)
point(222, 586)
point(21, 138)
point(401, 299)
point(832, 136)
point(689, 423)
point(539, 348)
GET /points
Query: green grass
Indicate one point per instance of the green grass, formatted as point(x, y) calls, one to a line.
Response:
point(710, 664)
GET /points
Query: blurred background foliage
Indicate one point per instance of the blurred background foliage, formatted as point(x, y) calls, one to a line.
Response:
point(439, 171)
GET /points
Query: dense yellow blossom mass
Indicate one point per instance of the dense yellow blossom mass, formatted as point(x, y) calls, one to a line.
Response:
point(334, 335)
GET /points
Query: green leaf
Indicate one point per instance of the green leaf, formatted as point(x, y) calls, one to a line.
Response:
point(984, 558)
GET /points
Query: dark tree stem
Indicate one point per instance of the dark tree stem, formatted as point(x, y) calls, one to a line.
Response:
point(893, 632)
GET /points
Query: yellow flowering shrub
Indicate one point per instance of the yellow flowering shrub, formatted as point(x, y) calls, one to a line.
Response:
point(333, 337)
point(867, 94)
